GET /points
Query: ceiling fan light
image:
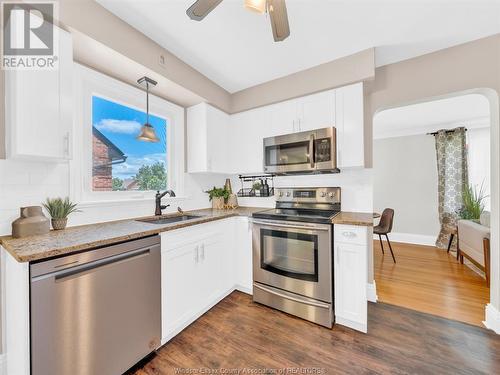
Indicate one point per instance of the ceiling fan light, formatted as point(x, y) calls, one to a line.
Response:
point(258, 6)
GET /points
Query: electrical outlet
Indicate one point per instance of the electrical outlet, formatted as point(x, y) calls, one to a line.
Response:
point(162, 60)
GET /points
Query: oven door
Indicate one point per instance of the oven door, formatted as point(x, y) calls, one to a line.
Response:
point(296, 257)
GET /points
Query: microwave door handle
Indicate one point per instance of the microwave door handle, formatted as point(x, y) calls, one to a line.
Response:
point(311, 150)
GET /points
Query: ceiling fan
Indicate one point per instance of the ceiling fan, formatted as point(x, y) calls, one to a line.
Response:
point(275, 8)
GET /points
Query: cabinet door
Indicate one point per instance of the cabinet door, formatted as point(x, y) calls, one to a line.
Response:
point(350, 126)
point(247, 132)
point(283, 119)
point(39, 109)
point(180, 293)
point(350, 285)
point(217, 141)
point(316, 111)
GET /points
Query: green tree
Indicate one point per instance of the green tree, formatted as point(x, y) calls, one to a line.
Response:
point(117, 183)
point(152, 177)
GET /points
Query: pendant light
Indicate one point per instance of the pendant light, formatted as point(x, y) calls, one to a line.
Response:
point(147, 133)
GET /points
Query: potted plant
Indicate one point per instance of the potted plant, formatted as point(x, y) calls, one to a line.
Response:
point(218, 197)
point(59, 210)
point(257, 187)
point(473, 203)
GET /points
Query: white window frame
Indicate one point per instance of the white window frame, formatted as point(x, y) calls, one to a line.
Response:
point(89, 83)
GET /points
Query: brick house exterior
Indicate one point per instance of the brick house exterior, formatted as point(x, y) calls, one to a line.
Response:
point(104, 155)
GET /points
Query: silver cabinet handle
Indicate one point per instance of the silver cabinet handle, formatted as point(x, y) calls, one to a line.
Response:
point(293, 125)
point(197, 254)
point(295, 299)
point(349, 234)
point(66, 144)
point(202, 251)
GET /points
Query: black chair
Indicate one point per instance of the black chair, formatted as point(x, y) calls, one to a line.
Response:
point(384, 227)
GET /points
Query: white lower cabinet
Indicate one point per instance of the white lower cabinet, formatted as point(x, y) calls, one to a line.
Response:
point(198, 270)
point(350, 272)
point(243, 255)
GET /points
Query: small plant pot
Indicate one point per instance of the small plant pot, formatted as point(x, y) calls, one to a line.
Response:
point(218, 203)
point(59, 224)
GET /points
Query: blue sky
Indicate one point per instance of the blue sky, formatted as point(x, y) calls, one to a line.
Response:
point(121, 125)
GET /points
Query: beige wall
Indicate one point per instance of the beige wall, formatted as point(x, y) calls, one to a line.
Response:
point(405, 179)
point(92, 19)
point(354, 68)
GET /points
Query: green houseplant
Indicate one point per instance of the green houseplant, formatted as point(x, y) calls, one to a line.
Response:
point(218, 196)
point(59, 209)
point(473, 203)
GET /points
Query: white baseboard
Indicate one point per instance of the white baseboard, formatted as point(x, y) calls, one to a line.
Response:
point(243, 289)
point(3, 364)
point(362, 327)
point(416, 239)
point(492, 318)
point(371, 292)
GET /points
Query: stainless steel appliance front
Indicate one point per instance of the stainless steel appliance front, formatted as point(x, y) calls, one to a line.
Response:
point(97, 312)
point(292, 268)
point(311, 151)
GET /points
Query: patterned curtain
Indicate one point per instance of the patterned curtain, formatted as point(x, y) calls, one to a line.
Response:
point(451, 155)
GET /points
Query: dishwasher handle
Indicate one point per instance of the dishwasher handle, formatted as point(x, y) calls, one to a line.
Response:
point(91, 266)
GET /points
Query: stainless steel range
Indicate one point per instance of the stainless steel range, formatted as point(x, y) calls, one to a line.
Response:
point(293, 253)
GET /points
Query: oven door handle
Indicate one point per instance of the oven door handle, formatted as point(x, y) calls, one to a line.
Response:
point(281, 225)
point(291, 298)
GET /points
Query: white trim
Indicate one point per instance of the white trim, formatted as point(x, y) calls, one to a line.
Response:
point(371, 292)
point(362, 327)
point(471, 123)
point(243, 289)
point(411, 238)
point(492, 319)
point(3, 364)
point(88, 82)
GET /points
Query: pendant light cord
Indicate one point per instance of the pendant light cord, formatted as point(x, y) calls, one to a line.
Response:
point(147, 102)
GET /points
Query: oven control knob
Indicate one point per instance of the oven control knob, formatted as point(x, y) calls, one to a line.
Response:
point(287, 193)
point(322, 194)
point(330, 195)
point(280, 193)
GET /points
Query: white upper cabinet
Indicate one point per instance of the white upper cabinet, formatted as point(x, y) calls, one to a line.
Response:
point(222, 143)
point(207, 139)
point(316, 111)
point(247, 132)
point(350, 126)
point(39, 108)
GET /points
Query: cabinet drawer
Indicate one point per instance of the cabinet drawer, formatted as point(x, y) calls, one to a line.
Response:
point(350, 234)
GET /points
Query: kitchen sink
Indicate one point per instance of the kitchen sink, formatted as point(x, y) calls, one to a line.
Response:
point(169, 219)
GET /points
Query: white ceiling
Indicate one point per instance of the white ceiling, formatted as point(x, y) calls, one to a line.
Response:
point(234, 47)
point(471, 111)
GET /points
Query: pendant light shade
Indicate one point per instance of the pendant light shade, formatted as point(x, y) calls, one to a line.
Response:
point(147, 133)
point(258, 6)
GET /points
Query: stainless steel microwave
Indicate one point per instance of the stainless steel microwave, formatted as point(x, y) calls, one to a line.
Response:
point(312, 151)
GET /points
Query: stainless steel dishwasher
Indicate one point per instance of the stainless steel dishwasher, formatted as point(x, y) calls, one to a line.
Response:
point(97, 312)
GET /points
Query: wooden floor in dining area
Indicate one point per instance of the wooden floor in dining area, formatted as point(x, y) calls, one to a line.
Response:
point(238, 336)
point(430, 280)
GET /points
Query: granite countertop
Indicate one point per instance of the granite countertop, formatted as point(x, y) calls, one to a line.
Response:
point(354, 218)
point(85, 237)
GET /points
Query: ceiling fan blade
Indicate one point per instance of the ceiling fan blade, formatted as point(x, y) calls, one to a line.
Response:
point(201, 8)
point(279, 19)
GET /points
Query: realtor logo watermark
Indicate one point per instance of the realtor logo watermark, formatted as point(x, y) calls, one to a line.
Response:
point(29, 37)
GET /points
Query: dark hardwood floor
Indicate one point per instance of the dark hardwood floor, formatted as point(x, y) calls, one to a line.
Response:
point(238, 334)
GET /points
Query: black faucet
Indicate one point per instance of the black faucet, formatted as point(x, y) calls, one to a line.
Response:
point(158, 198)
